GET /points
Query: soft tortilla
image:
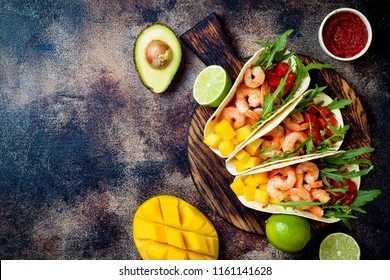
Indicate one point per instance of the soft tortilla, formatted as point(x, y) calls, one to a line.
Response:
point(278, 209)
point(215, 116)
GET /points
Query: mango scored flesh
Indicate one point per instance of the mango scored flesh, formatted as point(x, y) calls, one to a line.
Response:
point(176, 231)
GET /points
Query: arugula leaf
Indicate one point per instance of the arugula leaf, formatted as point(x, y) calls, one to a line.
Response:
point(343, 212)
point(336, 168)
point(307, 100)
point(317, 66)
point(341, 161)
point(268, 105)
point(338, 104)
point(298, 204)
point(363, 197)
point(302, 71)
point(266, 62)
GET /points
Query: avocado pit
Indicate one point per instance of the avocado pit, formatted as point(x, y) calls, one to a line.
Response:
point(158, 54)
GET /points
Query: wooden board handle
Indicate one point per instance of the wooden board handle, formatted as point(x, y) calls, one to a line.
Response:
point(209, 42)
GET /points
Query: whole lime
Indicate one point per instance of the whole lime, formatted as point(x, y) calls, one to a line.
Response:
point(287, 233)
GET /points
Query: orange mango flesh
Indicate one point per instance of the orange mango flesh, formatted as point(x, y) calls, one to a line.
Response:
point(253, 187)
point(224, 133)
point(168, 228)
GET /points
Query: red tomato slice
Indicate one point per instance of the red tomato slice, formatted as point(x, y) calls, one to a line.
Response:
point(312, 110)
point(310, 118)
point(351, 185)
point(349, 198)
point(322, 122)
point(281, 69)
point(325, 111)
point(328, 133)
point(289, 82)
point(273, 80)
point(333, 120)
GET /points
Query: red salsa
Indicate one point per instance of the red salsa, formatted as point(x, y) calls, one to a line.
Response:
point(345, 34)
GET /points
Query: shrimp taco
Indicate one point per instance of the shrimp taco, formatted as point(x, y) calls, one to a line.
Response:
point(269, 83)
point(325, 189)
point(313, 128)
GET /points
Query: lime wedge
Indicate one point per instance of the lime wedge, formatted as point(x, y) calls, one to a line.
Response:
point(211, 86)
point(339, 246)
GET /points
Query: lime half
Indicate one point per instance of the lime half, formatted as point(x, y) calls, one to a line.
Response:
point(339, 246)
point(211, 86)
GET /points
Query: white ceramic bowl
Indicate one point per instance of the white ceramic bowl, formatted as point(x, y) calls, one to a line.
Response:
point(365, 21)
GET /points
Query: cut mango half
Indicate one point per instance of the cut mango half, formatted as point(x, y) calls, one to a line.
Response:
point(168, 228)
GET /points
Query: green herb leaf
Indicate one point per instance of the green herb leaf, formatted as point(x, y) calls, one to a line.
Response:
point(307, 100)
point(363, 197)
point(298, 204)
point(273, 49)
point(338, 104)
point(317, 66)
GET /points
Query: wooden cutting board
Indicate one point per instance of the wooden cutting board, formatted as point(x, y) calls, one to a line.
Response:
point(209, 42)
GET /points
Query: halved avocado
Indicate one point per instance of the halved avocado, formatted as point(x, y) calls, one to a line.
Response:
point(157, 56)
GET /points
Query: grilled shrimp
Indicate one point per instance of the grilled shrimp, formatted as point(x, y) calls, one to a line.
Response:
point(233, 116)
point(254, 77)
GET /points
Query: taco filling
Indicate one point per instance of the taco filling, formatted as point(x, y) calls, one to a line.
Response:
point(325, 189)
point(315, 126)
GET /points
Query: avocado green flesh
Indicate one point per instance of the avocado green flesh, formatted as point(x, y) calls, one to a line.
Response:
point(157, 80)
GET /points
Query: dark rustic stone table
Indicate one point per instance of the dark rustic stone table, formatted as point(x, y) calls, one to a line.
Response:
point(83, 143)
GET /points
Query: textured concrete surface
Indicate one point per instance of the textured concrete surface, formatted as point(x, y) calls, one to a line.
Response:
point(83, 143)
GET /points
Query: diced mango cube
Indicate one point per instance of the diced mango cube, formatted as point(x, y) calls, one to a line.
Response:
point(249, 192)
point(263, 187)
point(243, 132)
point(262, 178)
point(237, 186)
point(212, 140)
point(273, 200)
point(252, 162)
point(256, 179)
point(251, 180)
point(253, 148)
point(242, 156)
point(240, 166)
point(226, 147)
point(261, 196)
point(224, 130)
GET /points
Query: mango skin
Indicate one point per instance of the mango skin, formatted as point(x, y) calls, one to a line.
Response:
point(168, 228)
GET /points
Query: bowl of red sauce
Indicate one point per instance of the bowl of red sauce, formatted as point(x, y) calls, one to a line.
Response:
point(345, 34)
